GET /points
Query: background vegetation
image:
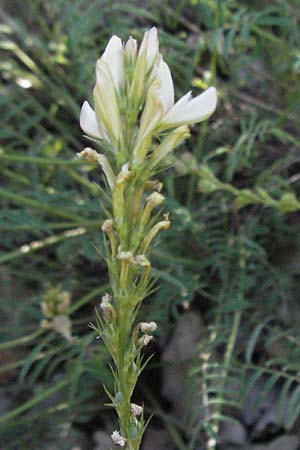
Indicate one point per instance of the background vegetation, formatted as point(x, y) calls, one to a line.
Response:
point(231, 256)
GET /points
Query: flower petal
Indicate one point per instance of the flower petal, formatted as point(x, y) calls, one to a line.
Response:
point(149, 46)
point(166, 87)
point(88, 121)
point(113, 57)
point(188, 112)
point(131, 49)
point(106, 104)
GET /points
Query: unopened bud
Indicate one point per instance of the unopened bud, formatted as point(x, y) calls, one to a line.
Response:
point(145, 339)
point(155, 199)
point(64, 302)
point(136, 410)
point(90, 155)
point(107, 226)
point(125, 174)
point(142, 261)
point(47, 310)
point(131, 49)
point(107, 308)
point(45, 324)
point(118, 439)
point(126, 256)
point(153, 185)
point(148, 327)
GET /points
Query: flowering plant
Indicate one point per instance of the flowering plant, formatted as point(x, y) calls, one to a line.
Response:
point(137, 122)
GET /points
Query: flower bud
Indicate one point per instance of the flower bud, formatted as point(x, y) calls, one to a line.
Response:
point(91, 156)
point(107, 226)
point(136, 410)
point(126, 256)
point(118, 439)
point(162, 225)
point(155, 199)
point(169, 143)
point(148, 327)
point(153, 185)
point(144, 340)
point(109, 311)
point(131, 50)
point(142, 261)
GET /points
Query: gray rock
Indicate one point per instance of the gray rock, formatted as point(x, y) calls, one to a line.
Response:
point(156, 440)
point(102, 440)
point(287, 442)
point(177, 357)
point(233, 433)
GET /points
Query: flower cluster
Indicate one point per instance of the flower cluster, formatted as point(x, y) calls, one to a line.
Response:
point(138, 123)
point(134, 103)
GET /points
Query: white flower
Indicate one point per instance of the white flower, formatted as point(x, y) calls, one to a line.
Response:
point(106, 103)
point(106, 300)
point(118, 439)
point(113, 57)
point(89, 123)
point(187, 110)
point(105, 122)
point(136, 410)
point(148, 327)
point(150, 46)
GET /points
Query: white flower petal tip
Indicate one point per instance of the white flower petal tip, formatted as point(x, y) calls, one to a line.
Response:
point(88, 121)
point(131, 48)
point(150, 46)
point(166, 87)
point(113, 57)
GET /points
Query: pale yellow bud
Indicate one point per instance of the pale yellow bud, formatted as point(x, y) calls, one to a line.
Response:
point(153, 185)
point(169, 143)
point(47, 309)
point(109, 311)
point(144, 340)
point(162, 225)
point(45, 324)
point(64, 299)
point(107, 226)
point(155, 199)
point(126, 256)
point(148, 327)
point(91, 156)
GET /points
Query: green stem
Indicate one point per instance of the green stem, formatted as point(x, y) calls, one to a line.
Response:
point(40, 161)
point(37, 399)
point(212, 442)
point(20, 341)
point(201, 139)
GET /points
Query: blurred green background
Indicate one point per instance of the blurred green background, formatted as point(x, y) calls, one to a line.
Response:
point(229, 262)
